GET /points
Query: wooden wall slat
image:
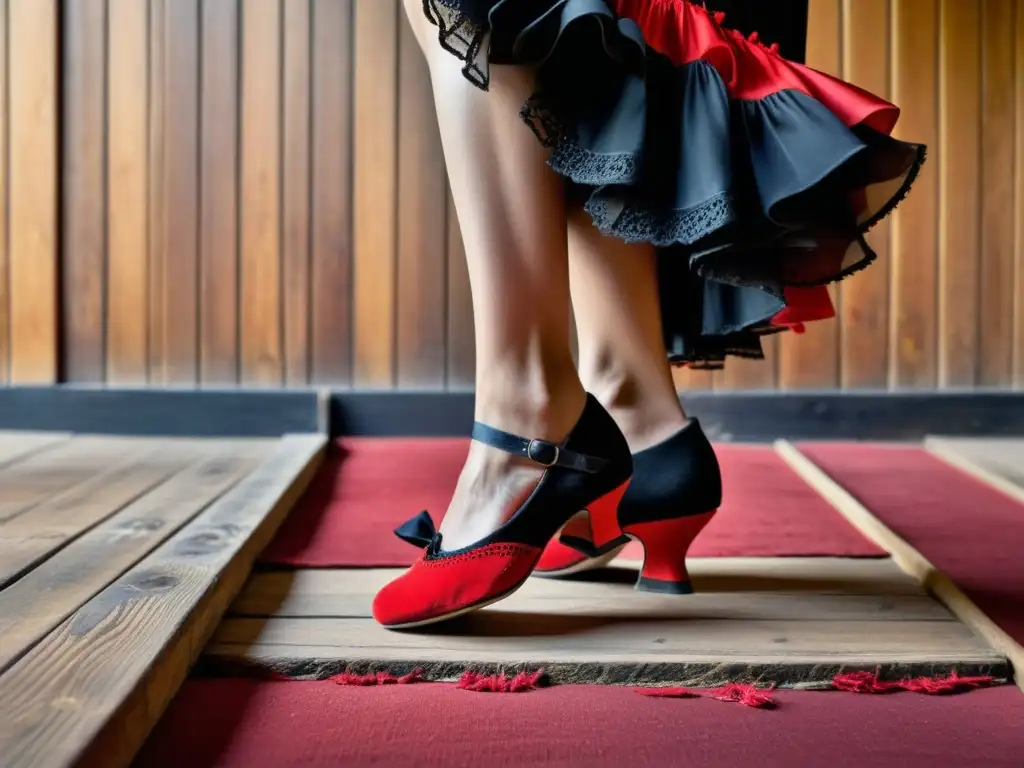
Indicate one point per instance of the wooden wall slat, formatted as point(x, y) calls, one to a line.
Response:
point(811, 360)
point(180, 235)
point(422, 234)
point(157, 196)
point(914, 314)
point(127, 214)
point(32, 44)
point(959, 148)
point(5, 297)
point(218, 214)
point(375, 107)
point(296, 190)
point(331, 225)
point(865, 295)
point(84, 183)
point(461, 363)
point(997, 185)
point(1018, 292)
point(260, 226)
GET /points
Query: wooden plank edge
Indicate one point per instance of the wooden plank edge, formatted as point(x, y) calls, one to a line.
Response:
point(57, 439)
point(938, 448)
point(119, 738)
point(781, 673)
point(934, 581)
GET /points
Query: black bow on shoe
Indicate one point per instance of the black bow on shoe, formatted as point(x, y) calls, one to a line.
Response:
point(420, 531)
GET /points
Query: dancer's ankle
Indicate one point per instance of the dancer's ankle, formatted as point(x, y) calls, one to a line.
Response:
point(646, 411)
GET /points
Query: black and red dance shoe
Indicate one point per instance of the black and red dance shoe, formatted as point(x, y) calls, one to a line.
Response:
point(589, 470)
point(675, 491)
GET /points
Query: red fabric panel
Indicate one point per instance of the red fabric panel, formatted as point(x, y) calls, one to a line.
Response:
point(685, 32)
point(237, 723)
point(970, 531)
point(374, 484)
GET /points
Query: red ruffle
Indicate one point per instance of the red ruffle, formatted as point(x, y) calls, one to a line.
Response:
point(686, 32)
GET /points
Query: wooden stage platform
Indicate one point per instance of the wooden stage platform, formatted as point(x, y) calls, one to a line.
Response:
point(125, 561)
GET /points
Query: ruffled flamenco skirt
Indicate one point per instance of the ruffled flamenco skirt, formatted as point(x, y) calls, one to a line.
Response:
point(755, 177)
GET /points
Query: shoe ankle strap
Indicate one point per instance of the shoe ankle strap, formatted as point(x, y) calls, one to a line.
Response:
point(541, 452)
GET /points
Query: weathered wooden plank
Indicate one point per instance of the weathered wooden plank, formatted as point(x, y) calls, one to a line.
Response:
point(36, 603)
point(602, 649)
point(349, 594)
point(39, 532)
point(43, 475)
point(139, 636)
point(19, 445)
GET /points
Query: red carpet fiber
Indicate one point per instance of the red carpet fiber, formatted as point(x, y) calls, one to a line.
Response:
point(971, 532)
point(243, 723)
point(371, 485)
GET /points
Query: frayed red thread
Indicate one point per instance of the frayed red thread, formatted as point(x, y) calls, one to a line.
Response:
point(747, 695)
point(501, 683)
point(377, 678)
point(868, 683)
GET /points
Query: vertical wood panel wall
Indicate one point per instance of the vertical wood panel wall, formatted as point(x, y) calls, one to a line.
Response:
point(252, 193)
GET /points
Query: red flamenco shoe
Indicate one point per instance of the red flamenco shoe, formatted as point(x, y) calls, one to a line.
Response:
point(589, 470)
point(675, 491)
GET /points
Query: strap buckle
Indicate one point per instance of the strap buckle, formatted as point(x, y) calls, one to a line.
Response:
point(542, 452)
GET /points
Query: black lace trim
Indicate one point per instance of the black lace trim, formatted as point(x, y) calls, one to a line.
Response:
point(462, 38)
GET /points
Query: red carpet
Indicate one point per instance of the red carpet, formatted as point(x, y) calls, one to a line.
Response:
point(971, 532)
point(372, 485)
point(252, 724)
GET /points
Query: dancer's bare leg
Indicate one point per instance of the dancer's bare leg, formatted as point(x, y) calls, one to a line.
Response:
point(512, 216)
point(618, 322)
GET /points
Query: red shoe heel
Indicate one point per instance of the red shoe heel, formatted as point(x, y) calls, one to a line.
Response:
point(665, 544)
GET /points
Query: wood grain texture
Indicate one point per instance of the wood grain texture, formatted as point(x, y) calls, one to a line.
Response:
point(83, 272)
point(374, 125)
point(15, 446)
point(295, 213)
point(32, 62)
point(997, 183)
point(43, 474)
point(421, 269)
point(309, 155)
point(905, 556)
point(331, 204)
point(864, 297)
point(5, 296)
point(461, 343)
point(46, 595)
point(260, 225)
point(811, 360)
point(914, 314)
point(127, 212)
point(140, 634)
point(31, 537)
point(179, 177)
point(959, 230)
point(219, 214)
